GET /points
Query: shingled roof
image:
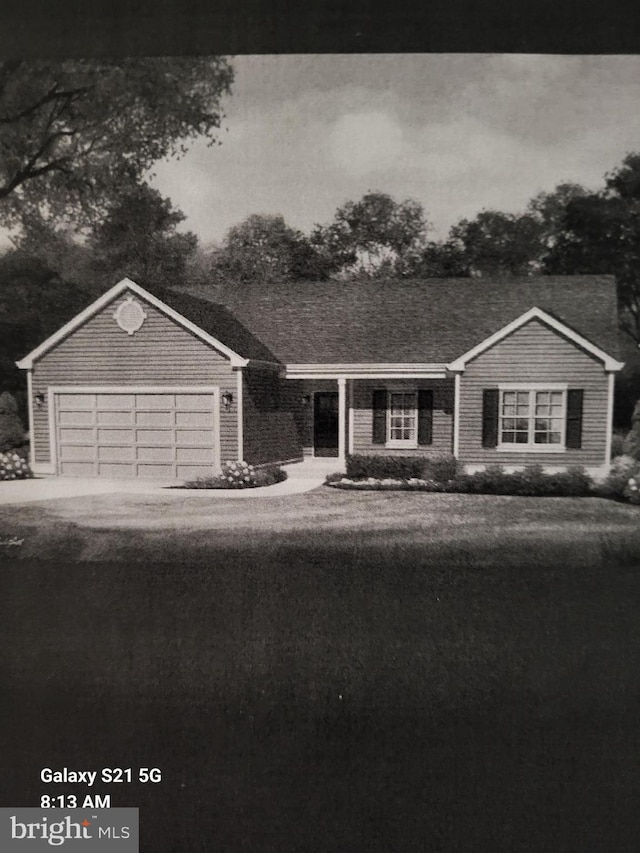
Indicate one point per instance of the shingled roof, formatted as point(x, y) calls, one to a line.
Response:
point(410, 321)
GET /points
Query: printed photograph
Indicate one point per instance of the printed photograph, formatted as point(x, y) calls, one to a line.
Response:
point(320, 452)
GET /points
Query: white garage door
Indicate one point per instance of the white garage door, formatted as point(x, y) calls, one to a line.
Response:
point(136, 433)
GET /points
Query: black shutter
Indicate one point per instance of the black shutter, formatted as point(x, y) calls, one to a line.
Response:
point(425, 417)
point(490, 402)
point(574, 418)
point(379, 406)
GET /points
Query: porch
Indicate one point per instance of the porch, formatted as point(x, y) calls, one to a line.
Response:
point(379, 410)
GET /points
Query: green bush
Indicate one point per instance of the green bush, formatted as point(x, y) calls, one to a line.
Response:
point(239, 475)
point(494, 480)
point(13, 466)
point(532, 481)
point(631, 445)
point(616, 483)
point(12, 432)
point(437, 468)
point(269, 475)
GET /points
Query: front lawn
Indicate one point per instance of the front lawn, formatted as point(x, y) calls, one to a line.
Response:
point(332, 671)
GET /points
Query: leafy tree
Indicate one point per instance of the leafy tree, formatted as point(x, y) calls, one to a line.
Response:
point(34, 303)
point(12, 432)
point(438, 259)
point(499, 244)
point(600, 234)
point(73, 133)
point(372, 236)
point(139, 239)
point(262, 249)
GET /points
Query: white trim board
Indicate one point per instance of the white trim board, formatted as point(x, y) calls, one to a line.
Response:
point(104, 300)
point(610, 364)
point(366, 371)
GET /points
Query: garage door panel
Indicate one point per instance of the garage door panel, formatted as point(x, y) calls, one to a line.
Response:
point(194, 419)
point(81, 436)
point(198, 455)
point(154, 419)
point(161, 435)
point(193, 402)
point(155, 401)
point(155, 454)
point(77, 419)
point(147, 469)
point(117, 453)
point(115, 436)
point(155, 436)
point(115, 418)
point(193, 436)
point(116, 469)
point(76, 401)
point(77, 453)
point(78, 469)
point(115, 401)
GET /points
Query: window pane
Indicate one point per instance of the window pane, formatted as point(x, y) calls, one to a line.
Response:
point(522, 437)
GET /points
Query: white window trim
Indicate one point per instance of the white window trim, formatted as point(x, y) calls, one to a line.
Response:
point(530, 446)
point(400, 443)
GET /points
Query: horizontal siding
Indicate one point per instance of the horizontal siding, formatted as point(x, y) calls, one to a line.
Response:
point(161, 352)
point(271, 416)
point(443, 396)
point(534, 354)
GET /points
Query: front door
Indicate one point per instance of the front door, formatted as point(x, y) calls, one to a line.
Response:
point(325, 423)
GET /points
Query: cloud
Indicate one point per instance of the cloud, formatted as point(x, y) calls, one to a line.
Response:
point(365, 142)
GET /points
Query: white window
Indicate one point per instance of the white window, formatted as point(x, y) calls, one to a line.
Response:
point(402, 419)
point(532, 418)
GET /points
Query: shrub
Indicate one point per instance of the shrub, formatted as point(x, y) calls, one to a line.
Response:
point(13, 466)
point(12, 432)
point(269, 475)
point(239, 475)
point(532, 481)
point(631, 445)
point(622, 470)
point(617, 445)
point(438, 468)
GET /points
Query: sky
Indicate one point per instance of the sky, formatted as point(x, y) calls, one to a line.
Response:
point(457, 133)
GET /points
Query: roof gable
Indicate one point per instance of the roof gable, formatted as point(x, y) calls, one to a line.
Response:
point(108, 297)
point(536, 313)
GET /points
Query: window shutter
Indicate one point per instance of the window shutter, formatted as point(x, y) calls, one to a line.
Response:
point(490, 402)
point(379, 406)
point(574, 418)
point(425, 417)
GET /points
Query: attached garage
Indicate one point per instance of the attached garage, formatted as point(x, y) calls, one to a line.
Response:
point(135, 432)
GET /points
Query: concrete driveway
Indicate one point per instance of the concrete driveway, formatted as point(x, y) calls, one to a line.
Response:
point(57, 488)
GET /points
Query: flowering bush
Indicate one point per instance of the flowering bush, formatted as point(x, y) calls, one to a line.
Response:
point(13, 466)
point(238, 475)
point(617, 484)
point(632, 490)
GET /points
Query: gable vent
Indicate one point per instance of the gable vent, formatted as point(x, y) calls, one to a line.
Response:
point(130, 315)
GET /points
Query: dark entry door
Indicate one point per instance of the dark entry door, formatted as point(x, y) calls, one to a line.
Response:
point(325, 423)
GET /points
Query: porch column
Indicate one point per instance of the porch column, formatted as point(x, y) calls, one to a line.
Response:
point(342, 417)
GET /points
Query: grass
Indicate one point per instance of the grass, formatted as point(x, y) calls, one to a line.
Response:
point(333, 671)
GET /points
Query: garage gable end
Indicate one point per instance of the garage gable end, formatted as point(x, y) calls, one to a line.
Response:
point(128, 321)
